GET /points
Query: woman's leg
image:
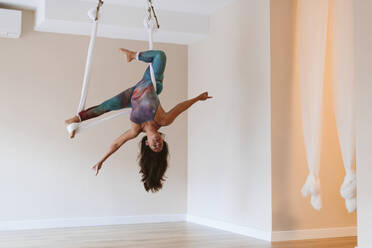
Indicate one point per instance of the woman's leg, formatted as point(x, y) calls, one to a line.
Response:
point(158, 60)
point(156, 57)
point(115, 103)
point(123, 100)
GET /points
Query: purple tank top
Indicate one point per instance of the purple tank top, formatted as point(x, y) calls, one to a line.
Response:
point(144, 101)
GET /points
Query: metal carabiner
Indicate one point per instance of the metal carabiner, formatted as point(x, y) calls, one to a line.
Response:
point(99, 5)
point(151, 11)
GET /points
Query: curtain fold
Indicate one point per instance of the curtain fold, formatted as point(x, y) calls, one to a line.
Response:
point(342, 57)
point(312, 41)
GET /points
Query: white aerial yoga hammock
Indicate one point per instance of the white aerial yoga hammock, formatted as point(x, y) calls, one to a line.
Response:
point(94, 15)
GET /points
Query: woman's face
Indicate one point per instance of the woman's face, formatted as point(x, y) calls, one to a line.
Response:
point(155, 142)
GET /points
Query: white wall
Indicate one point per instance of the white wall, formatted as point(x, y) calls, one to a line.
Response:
point(44, 175)
point(229, 169)
point(364, 120)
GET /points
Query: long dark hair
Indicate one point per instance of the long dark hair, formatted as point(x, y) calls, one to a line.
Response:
point(153, 165)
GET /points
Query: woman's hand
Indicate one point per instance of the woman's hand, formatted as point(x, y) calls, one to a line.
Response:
point(97, 167)
point(128, 135)
point(204, 96)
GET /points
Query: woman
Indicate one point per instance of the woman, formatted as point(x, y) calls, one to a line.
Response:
point(147, 116)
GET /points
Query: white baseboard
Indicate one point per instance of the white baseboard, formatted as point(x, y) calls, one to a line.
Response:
point(95, 221)
point(314, 234)
point(276, 235)
point(242, 230)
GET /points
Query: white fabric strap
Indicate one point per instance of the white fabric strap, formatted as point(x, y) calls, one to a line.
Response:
point(150, 29)
point(151, 47)
point(151, 26)
point(88, 66)
point(85, 125)
point(153, 77)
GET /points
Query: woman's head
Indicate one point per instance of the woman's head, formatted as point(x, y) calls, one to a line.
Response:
point(155, 141)
point(153, 165)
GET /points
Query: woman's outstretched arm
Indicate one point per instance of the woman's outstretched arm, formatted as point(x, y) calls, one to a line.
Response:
point(128, 135)
point(182, 107)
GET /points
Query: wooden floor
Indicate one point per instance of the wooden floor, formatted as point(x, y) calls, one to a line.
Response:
point(162, 235)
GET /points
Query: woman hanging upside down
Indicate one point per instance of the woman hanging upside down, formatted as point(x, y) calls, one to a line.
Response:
point(147, 116)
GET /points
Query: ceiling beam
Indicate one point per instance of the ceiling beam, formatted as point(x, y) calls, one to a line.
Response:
point(119, 21)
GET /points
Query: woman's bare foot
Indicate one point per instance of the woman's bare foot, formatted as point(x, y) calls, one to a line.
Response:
point(74, 119)
point(130, 54)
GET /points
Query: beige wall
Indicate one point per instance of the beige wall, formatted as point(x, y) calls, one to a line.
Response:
point(44, 174)
point(229, 137)
point(289, 167)
point(364, 119)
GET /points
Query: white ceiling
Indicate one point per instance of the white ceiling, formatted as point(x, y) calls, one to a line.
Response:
point(182, 21)
point(204, 7)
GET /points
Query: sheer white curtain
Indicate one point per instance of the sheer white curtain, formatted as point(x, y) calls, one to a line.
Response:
point(312, 31)
point(314, 19)
point(342, 55)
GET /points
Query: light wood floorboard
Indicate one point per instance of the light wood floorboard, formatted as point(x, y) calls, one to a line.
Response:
point(348, 242)
point(160, 235)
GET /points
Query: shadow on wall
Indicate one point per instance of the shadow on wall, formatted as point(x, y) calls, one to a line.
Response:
point(28, 27)
point(283, 105)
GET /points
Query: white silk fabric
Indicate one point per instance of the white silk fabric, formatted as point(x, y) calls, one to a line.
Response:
point(312, 41)
point(342, 56)
point(315, 19)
